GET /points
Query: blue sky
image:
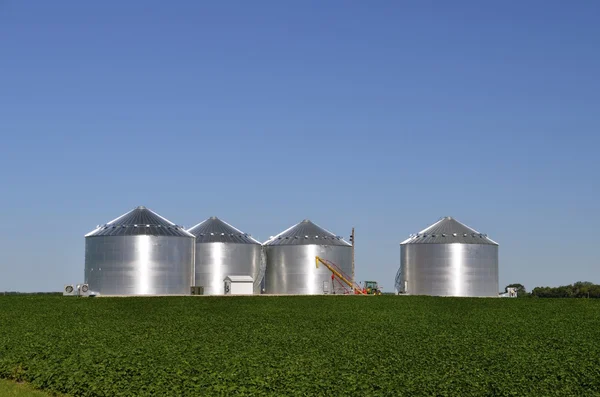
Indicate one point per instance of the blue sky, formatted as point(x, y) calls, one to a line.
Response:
point(381, 115)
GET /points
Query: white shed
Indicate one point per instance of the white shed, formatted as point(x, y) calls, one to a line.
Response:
point(239, 285)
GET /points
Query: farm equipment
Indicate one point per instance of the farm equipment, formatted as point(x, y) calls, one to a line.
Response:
point(342, 278)
point(370, 287)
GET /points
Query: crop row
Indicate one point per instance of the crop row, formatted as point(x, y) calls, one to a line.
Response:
point(330, 346)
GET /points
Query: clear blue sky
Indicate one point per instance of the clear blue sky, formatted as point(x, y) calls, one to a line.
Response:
point(381, 115)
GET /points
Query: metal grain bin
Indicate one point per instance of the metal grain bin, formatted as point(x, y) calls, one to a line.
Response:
point(449, 259)
point(291, 256)
point(221, 251)
point(139, 253)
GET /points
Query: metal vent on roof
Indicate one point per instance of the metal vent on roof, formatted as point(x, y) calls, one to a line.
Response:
point(307, 233)
point(449, 226)
point(215, 230)
point(139, 221)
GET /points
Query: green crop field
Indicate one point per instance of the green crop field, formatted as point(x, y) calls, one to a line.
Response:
point(13, 389)
point(328, 345)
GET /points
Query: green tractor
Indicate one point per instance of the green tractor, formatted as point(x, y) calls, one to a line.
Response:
point(371, 288)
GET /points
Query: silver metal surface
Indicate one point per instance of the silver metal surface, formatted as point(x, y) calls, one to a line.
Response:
point(398, 282)
point(215, 261)
point(306, 233)
point(291, 269)
point(449, 231)
point(69, 290)
point(450, 269)
point(259, 281)
point(215, 230)
point(139, 221)
point(223, 250)
point(139, 253)
point(434, 264)
point(139, 265)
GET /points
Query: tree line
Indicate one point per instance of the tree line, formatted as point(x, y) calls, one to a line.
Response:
point(29, 293)
point(580, 289)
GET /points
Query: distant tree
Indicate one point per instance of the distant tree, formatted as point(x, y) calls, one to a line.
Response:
point(580, 289)
point(521, 291)
point(566, 291)
point(540, 292)
point(594, 291)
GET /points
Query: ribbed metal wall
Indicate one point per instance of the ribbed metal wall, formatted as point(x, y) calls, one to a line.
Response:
point(449, 259)
point(449, 269)
point(139, 253)
point(223, 250)
point(215, 261)
point(139, 265)
point(291, 269)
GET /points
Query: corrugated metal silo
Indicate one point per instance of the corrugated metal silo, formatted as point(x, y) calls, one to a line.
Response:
point(221, 251)
point(139, 253)
point(291, 267)
point(448, 259)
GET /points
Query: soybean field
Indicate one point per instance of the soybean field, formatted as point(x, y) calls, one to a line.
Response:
point(301, 345)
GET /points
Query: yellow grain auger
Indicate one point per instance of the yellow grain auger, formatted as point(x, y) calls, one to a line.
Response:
point(370, 288)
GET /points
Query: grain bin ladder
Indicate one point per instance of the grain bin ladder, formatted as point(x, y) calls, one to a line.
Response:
point(340, 275)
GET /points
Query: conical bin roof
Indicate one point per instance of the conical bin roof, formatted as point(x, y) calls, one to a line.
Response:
point(215, 230)
point(139, 221)
point(306, 233)
point(449, 231)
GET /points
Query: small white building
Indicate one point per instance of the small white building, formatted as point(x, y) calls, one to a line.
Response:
point(510, 293)
point(238, 285)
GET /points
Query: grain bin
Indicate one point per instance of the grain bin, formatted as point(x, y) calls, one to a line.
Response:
point(221, 251)
point(449, 259)
point(139, 253)
point(291, 256)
